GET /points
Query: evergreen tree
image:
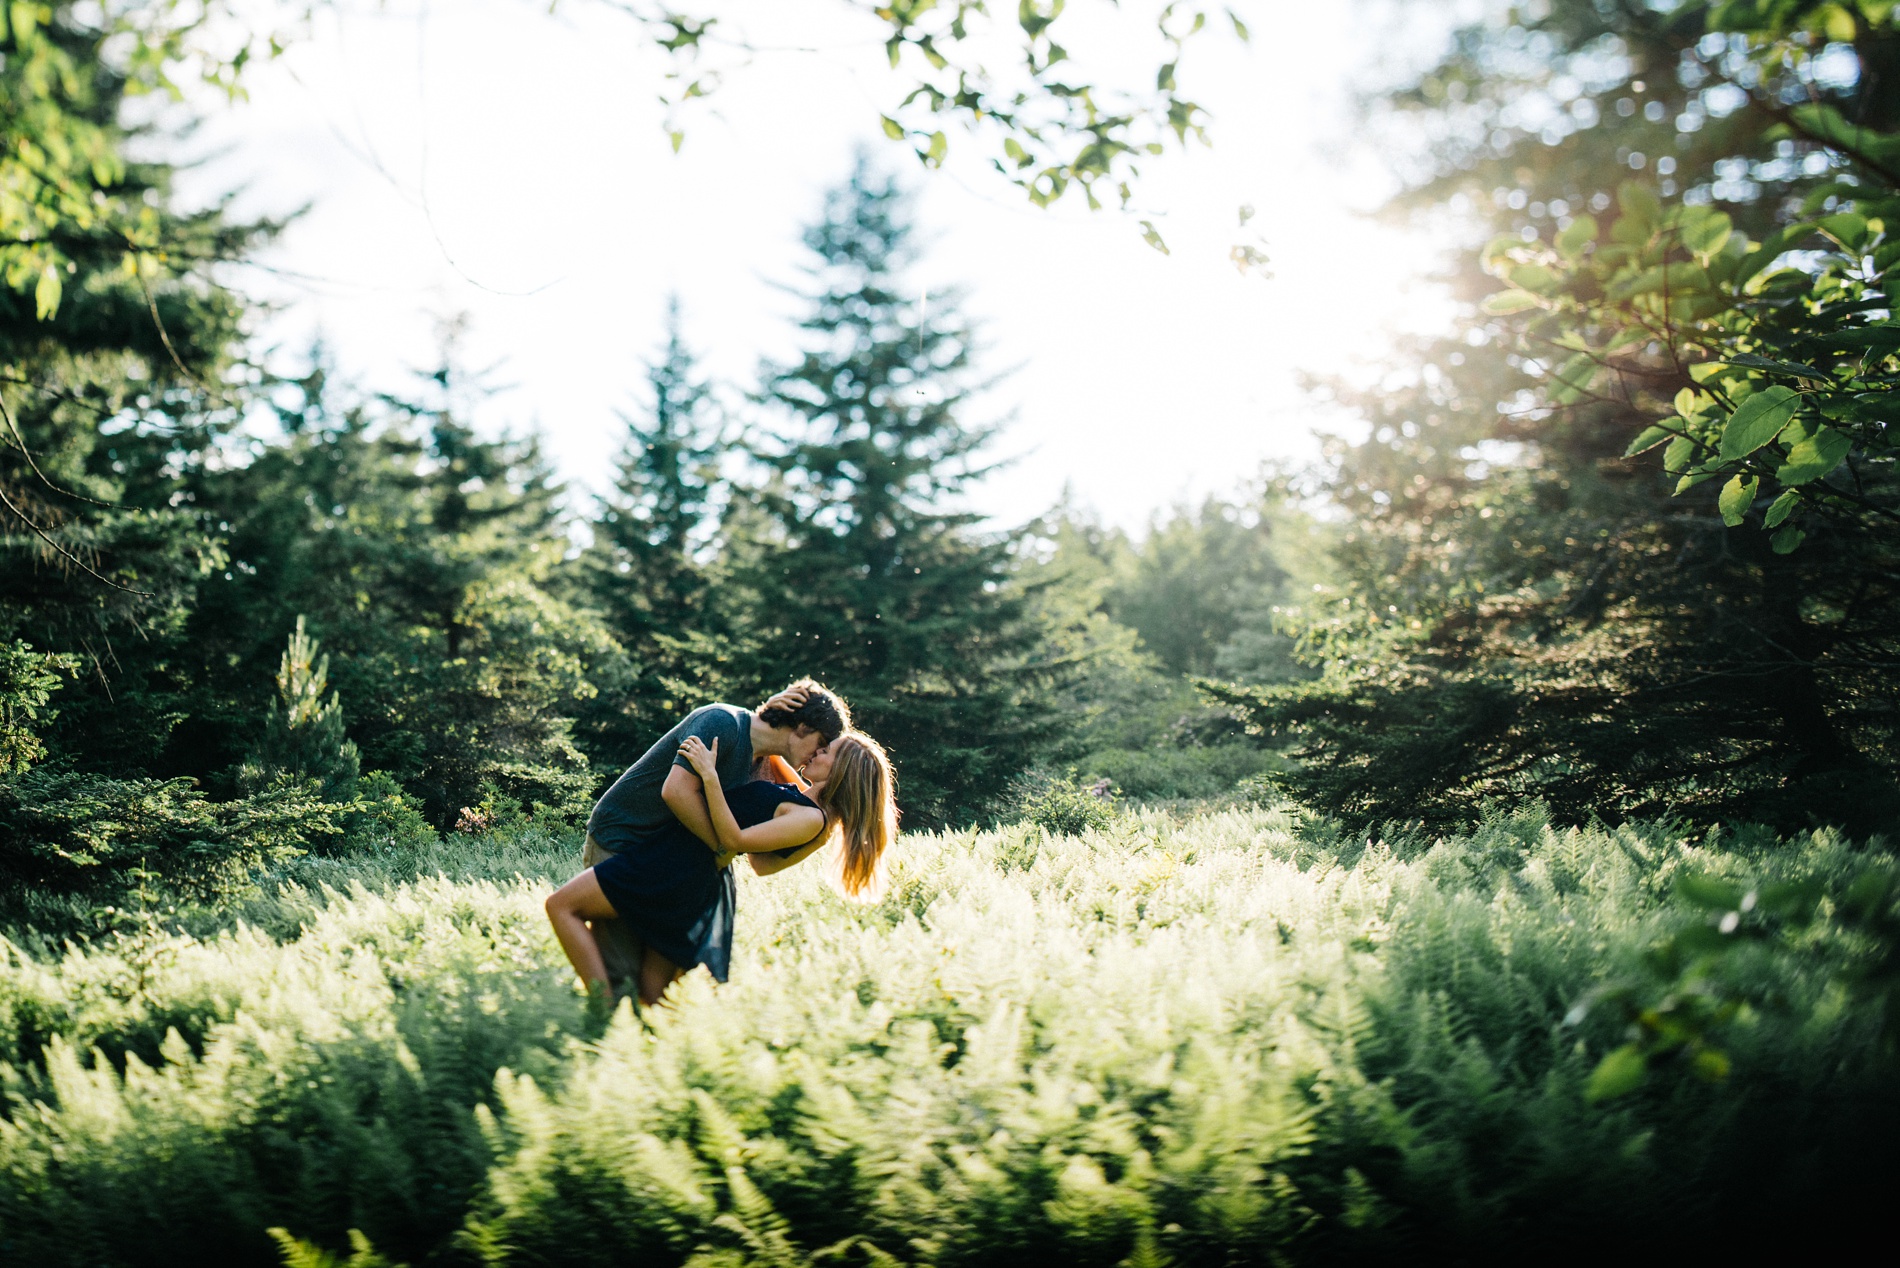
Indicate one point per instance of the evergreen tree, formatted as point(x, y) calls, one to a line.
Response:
point(116, 345)
point(424, 554)
point(867, 577)
point(303, 733)
point(1530, 608)
point(648, 571)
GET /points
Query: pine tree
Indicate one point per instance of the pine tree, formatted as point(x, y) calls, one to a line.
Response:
point(116, 335)
point(1529, 609)
point(303, 733)
point(644, 572)
point(424, 553)
point(868, 578)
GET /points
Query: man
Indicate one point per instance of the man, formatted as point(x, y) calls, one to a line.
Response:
point(661, 786)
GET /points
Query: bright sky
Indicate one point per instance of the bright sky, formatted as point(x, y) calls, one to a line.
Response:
point(485, 158)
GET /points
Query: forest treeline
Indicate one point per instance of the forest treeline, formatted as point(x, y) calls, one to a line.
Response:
point(1622, 542)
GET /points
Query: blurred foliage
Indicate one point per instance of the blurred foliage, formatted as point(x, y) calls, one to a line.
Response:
point(1532, 608)
point(1205, 589)
point(1048, 122)
point(1242, 1038)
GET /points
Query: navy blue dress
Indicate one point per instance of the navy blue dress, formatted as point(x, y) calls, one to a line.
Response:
point(671, 892)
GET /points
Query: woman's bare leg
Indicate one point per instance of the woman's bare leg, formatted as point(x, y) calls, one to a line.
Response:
point(569, 909)
point(656, 974)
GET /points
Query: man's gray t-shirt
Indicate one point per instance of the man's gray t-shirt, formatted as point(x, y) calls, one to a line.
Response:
point(632, 810)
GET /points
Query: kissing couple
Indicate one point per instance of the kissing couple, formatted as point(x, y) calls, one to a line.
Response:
point(658, 897)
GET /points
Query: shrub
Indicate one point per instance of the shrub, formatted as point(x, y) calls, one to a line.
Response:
point(385, 818)
point(78, 833)
point(1242, 1039)
point(1064, 805)
point(1182, 773)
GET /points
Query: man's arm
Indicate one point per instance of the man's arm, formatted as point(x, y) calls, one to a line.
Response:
point(685, 797)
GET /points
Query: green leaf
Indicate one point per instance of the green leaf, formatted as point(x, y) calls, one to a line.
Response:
point(1814, 457)
point(1649, 439)
point(1787, 540)
point(1572, 381)
point(1680, 453)
point(1885, 336)
point(1152, 237)
point(1640, 204)
point(1617, 1074)
point(47, 290)
point(1750, 361)
point(1737, 496)
point(1792, 900)
point(1533, 277)
point(1710, 1065)
point(1690, 402)
point(1780, 509)
point(1758, 421)
point(1504, 303)
point(892, 128)
point(1707, 234)
point(1578, 234)
point(1847, 228)
point(1679, 279)
point(1709, 892)
point(1868, 894)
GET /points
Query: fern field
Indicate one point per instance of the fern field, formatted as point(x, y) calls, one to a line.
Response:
point(1234, 1039)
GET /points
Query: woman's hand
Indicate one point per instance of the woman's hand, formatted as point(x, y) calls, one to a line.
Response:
point(788, 699)
point(704, 761)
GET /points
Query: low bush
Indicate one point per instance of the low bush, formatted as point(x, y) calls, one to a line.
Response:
point(73, 832)
point(1187, 772)
point(1239, 1039)
point(1063, 803)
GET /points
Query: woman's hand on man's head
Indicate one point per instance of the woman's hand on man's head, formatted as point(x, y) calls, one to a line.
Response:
point(788, 700)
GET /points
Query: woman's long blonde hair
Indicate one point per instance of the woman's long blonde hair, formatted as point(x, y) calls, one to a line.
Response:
point(860, 796)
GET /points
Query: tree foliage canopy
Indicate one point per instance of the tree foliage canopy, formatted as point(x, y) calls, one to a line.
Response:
point(1572, 561)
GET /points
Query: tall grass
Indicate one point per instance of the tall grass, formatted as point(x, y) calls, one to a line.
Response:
point(1232, 1039)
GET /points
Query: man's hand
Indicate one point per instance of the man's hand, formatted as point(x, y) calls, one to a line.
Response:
point(705, 761)
point(788, 699)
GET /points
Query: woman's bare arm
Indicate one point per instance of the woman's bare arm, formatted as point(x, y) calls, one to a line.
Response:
point(768, 864)
point(705, 763)
point(683, 796)
point(792, 826)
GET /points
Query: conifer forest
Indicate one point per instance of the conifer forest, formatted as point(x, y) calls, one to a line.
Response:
point(1472, 842)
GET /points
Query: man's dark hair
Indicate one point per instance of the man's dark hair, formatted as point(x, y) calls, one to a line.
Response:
point(822, 712)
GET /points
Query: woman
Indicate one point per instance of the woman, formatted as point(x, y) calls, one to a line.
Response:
point(678, 895)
